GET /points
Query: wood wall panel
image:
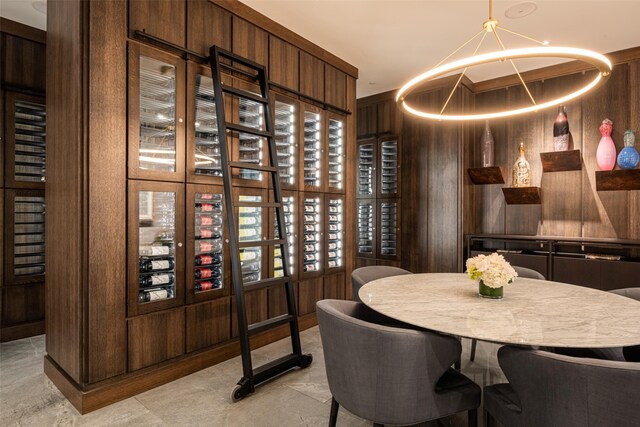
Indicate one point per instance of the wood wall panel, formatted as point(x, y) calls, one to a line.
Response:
point(165, 19)
point(208, 323)
point(250, 42)
point(561, 202)
point(106, 327)
point(334, 286)
point(256, 307)
point(66, 199)
point(351, 170)
point(25, 303)
point(366, 120)
point(389, 117)
point(309, 292)
point(335, 87)
point(208, 24)
point(284, 60)
point(634, 123)
point(605, 213)
point(23, 63)
point(155, 337)
point(311, 76)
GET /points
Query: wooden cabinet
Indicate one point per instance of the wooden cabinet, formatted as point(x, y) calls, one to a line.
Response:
point(367, 160)
point(366, 120)
point(311, 253)
point(334, 235)
point(388, 229)
point(208, 324)
point(208, 24)
point(253, 226)
point(154, 338)
point(251, 42)
point(388, 167)
point(311, 76)
point(335, 153)
point(291, 221)
point(156, 114)
point(150, 17)
point(287, 128)
point(335, 87)
point(23, 60)
point(366, 228)
point(311, 148)
point(334, 286)
point(310, 291)
point(284, 62)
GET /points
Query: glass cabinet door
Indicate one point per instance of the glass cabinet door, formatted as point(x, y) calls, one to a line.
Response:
point(286, 113)
point(335, 153)
point(389, 212)
point(334, 235)
point(156, 224)
point(312, 151)
point(156, 114)
point(388, 167)
point(26, 121)
point(290, 210)
point(24, 247)
point(250, 220)
point(366, 228)
point(366, 168)
point(206, 157)
point(207, 273)
point(311, 258)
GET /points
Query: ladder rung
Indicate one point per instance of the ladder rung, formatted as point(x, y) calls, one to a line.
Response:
point(267, 283)
point(244, 94)
point(247, 129)
point(244, 61)
point(274, 322)
point(269, 242)
point(253, 167)
point(258, 205)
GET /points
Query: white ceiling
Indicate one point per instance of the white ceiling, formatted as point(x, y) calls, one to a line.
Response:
point(390, 41)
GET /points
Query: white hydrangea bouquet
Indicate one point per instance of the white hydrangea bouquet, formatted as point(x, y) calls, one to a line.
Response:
point(492, 272)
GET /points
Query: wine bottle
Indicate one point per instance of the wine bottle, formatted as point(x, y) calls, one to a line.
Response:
point(208, 207)
point(205, 273)
point(309, 248)
point(205, 233)
point(156, 280)
point(147, 265)
point(153, 250)
point(207, 259)
point(308, 208)
point(309, 257)
point(154, 295)
point(333, 245)
point(207, 285)
point(332, 264)
point(333, 236)
point(309, 227)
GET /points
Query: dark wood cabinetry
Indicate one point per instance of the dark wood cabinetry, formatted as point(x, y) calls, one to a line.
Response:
point(164, 220)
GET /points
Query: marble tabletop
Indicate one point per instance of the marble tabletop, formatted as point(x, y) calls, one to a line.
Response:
point(533, 312)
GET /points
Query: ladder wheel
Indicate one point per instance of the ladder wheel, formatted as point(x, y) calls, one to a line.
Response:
point(237, 394)
point(305, 360)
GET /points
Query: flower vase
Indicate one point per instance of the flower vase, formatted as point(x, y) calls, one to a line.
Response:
point(561, 131)
point(628, 157)
point(486, 146)
point(488, 292)
point(606, 153)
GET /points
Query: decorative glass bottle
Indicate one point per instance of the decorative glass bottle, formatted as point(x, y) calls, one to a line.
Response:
point(486, 146)
point(521, 170)
point(561, 130)
point(628, 157)
point(606, 154)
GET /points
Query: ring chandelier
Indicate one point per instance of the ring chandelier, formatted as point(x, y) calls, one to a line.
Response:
point(491, 26)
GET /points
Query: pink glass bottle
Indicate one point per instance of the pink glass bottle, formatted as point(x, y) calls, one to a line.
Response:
point(606, 154)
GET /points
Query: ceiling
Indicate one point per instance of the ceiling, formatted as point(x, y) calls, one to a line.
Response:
point(390, 41)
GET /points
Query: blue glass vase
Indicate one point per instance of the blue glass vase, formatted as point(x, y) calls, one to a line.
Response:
point(628, 157)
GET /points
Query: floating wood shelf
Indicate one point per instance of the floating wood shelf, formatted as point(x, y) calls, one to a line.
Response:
point(522, 195)
point(559, 161)
point(618, 180)
point(489, 175)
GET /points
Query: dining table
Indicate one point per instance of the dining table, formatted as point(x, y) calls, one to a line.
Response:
point(536, 313)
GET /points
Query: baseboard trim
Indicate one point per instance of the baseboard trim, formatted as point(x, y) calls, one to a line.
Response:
point(23, 330)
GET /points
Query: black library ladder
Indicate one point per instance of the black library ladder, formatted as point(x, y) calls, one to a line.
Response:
point(252, 377)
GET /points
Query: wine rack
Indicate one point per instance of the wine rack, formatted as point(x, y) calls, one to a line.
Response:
point(388, 168)
point(311, 252)
point(335, 233)
point(335, 155)
point(312, 150)
point(28, 214)
point(250, 230)
point(156, 246)
point(251, 148)
point(157, 150)
point(366, 230)
point(366, 168)
point(388, 229)
point(285, 129)
point(208, 242)
point(29, 123)
point(289, 209)
point(206, 145)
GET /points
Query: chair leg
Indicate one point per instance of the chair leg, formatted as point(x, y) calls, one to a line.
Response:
point(472, 418)
point(333, 416)
point(473, 349)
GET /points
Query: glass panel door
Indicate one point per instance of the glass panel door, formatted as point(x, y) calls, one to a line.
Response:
point(290, 210)
point(250, 230)
point(389, 228)
point(30, 136)
point(335, 232)
point(335, 155)
point(285, 121)
point(312, 151)
point(366, 230)
point(207, 146)
point(366, 169)
point(311, 231)
point(388, 167)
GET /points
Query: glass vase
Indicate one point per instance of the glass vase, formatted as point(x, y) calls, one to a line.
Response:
point(488, 292)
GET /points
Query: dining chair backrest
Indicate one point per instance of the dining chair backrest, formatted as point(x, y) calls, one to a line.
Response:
point(553, 389)
point(528, 273)
point(384, 373)
point(363, 275)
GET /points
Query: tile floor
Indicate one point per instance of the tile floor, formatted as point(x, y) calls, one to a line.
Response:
point(299, 398)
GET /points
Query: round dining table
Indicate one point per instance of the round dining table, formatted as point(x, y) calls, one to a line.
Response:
point(532, 313)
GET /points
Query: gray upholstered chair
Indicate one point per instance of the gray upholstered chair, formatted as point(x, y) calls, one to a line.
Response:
point(524, 272)
point(363, 275)
point(631, 354)
point(548, 389)
point(390, 375)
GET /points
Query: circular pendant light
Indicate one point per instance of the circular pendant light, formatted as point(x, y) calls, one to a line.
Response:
point(491, 26)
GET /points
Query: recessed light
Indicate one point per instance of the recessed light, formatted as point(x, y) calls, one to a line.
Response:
point(40, 6)
point(521, 10)
point(372, 83)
